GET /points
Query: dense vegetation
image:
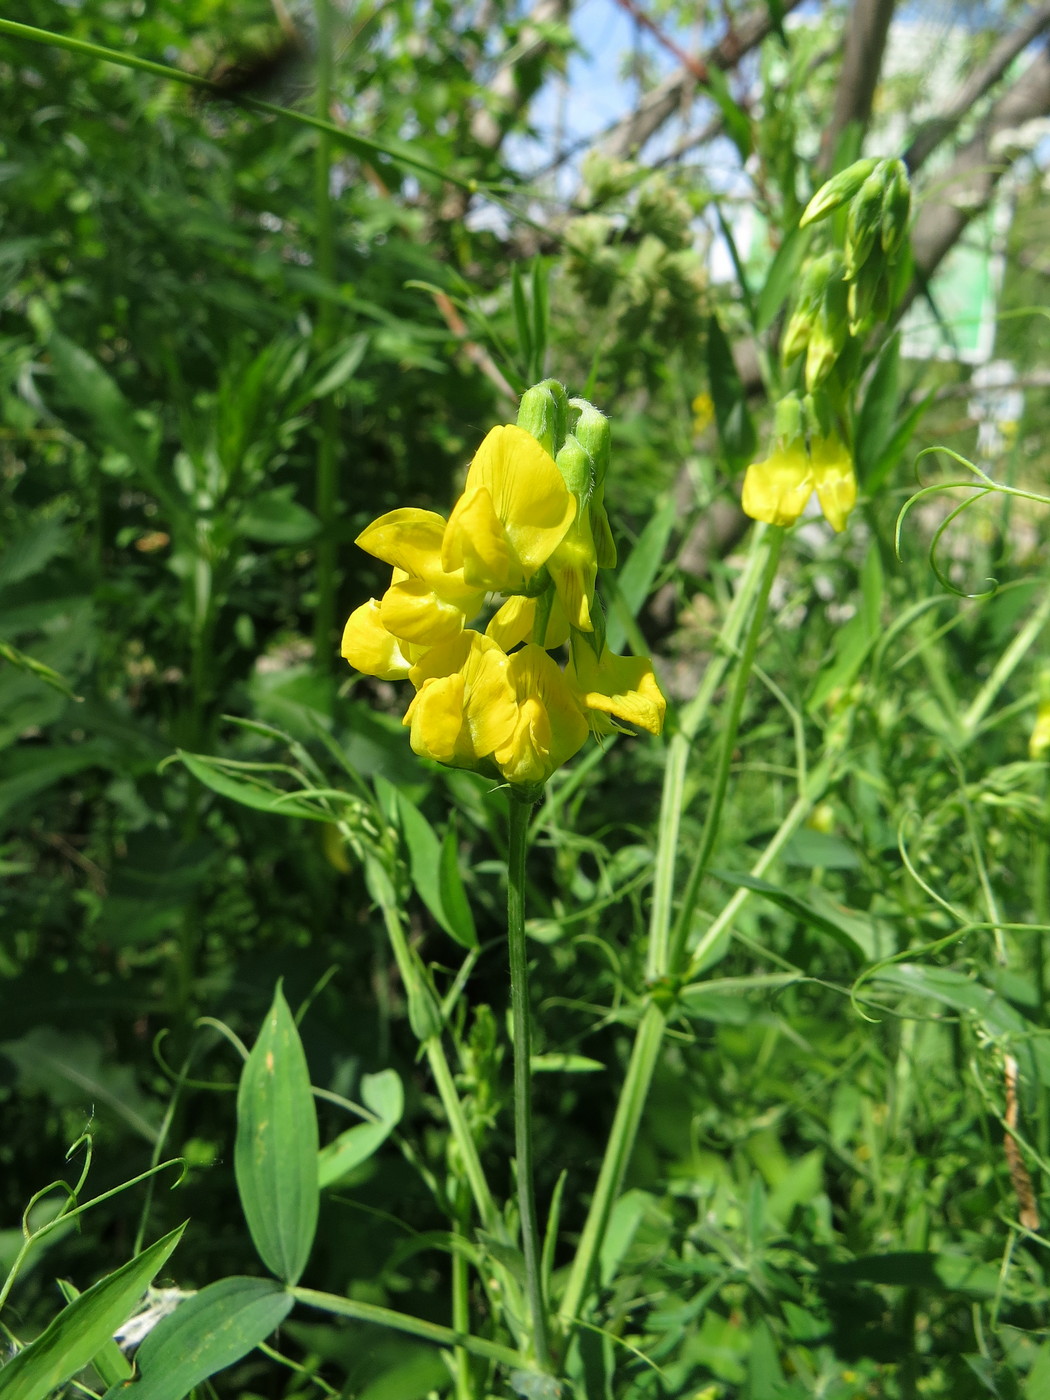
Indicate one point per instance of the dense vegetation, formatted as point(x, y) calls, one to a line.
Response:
point(246, 313)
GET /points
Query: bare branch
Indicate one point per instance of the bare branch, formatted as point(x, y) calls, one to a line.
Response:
point(628, 136)
point(966, 188)
point(940, 127)
point(866, 31)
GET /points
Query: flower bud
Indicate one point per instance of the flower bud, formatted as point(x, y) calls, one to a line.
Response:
point(827, 336)
point(543, 412)
point(592, 432)
point(863, 298)
point(864, 221)
point(837, 190)
point(577, 469)
point(788, 423)
point(896, 208)
point(816, 274)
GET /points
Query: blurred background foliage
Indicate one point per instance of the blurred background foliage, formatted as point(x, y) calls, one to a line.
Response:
point(820, 1203)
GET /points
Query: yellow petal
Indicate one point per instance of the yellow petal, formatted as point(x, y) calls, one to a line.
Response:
point(408, 539)
point(777, 489)
point(527, 491)
point(623, 687)
point(437, 718)
point(550, 726)
point(413, 611)
point(835, 478)
point(574, 567)
point(477, 544)
point(515, 622)
point(370, 648)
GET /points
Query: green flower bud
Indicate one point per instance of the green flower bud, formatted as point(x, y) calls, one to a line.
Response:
point(837, 191)
point(577, 469)
point(592, 431)
point(863, 297)
point(896, 208)
point(864, 221)
point(788, 423)
point(544, 412)
point(816, 273)
point(828, 334)
point(424, 1010)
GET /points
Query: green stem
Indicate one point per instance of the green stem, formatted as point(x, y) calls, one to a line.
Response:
point(521, 1016)
point(461, 1300)
point(1005, 667)
point(629, 1109)
point(362, 146)
point(679, 750)
point(327, 487)
point(725, 753)
point(402, 1322)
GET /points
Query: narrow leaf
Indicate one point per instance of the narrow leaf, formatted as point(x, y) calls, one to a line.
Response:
point(83, 1328)
point(275, 1154)
point(736, 432)
point(250, 791)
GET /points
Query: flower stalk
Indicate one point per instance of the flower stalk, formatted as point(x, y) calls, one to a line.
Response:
point(521, 1021)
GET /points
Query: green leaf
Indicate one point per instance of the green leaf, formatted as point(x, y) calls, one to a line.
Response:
point(275, 1154)
point(205, 1334)
point(83, 1328)
point(434, 868)
point(82, 381)
point(965, 995)
point(250, 790)
point(634, 581)
point(341, 365)
point(781, 278)
point(384, 1094)
point(844, 932)
point(109, 1361)
point(940, 1273)
point(272, 517)
point(736, 431)
point(854, 641)
point(737, 122)
point(35, 770)
point(32, 549)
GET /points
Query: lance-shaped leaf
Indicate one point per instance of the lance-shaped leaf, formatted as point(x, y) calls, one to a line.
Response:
point(83, 1328)
point(275, 1155)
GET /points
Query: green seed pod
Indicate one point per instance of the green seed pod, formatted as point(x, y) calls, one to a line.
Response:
point(864, 221)
point(544, 412)
point(896, 209)
point(837, 190)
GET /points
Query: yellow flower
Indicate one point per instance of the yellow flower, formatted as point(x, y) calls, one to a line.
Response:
point(425, 602)
point(834, 478)
point(616, 688)
point(778, 489)
point(549, 725)
point(703, 413)
point(1039, 742)
point(370, 648)
point(464, 706)
point(514, 512)
point(515, 622)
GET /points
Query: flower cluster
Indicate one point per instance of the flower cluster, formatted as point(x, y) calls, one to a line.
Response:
point(530, 528)
point(778, 489)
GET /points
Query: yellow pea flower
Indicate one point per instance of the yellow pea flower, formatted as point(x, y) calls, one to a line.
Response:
point(778, 489)
point(835, 479)
point(616, 688)
point(371, 648)
point(425, 602)
point(515, 622)
point(514, 512)
point(464, 706)
point(549, 724)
